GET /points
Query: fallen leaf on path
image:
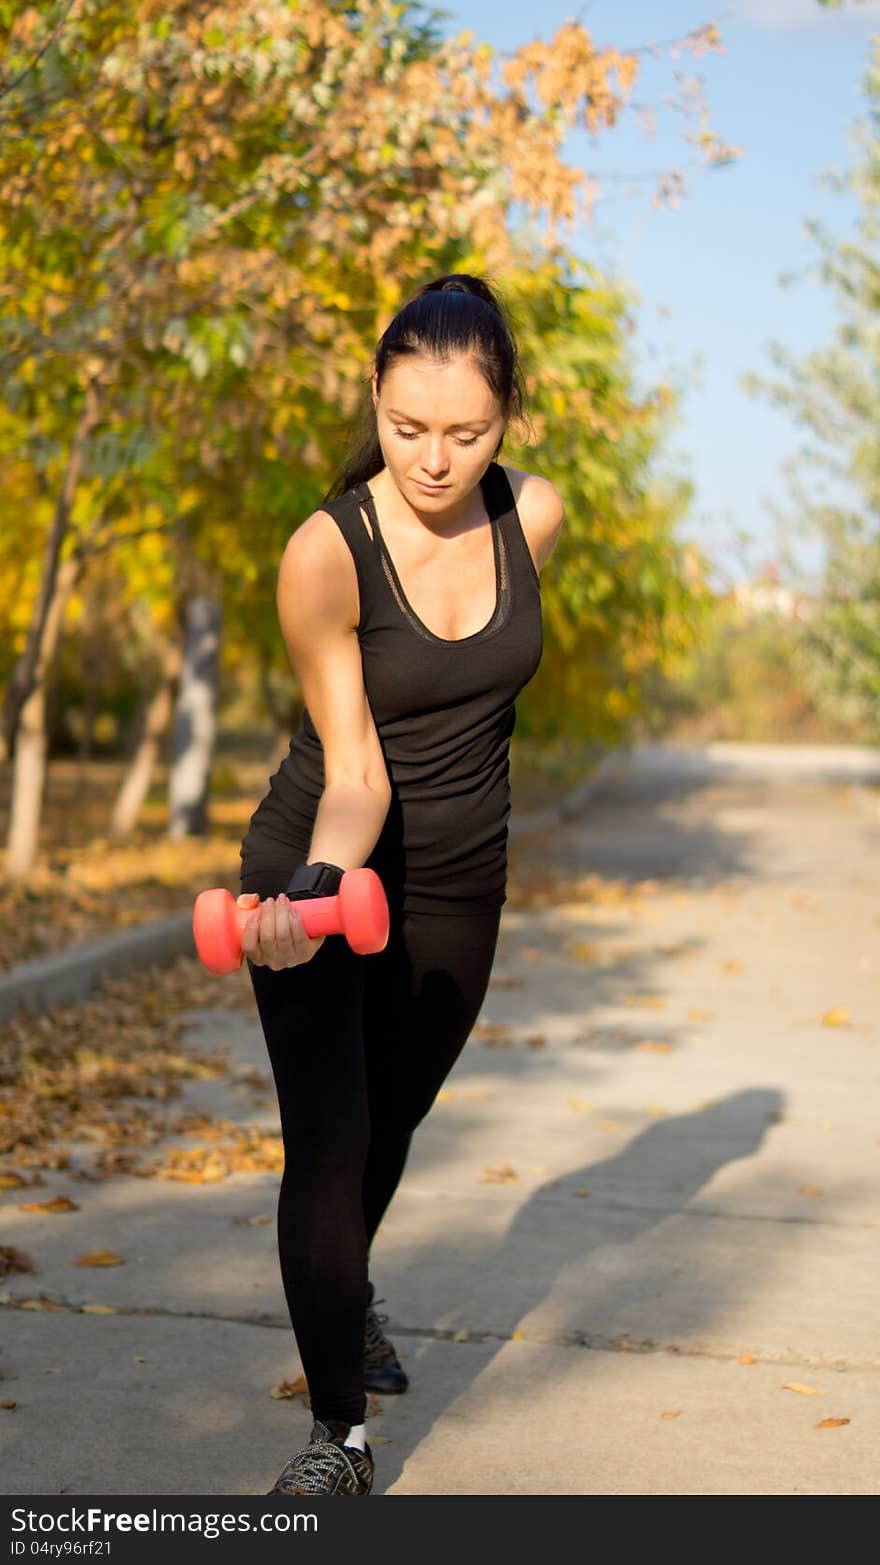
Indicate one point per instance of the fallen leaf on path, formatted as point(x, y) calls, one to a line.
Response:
point(101, 1309)
point(580, 1192)
point(461, 1336)
point(696, 1015)
point(609, 1124)
point(59, 1203)
point(505, 1175)
point(746, 1358)
point(495, 1035)
point(804, 1391)
point(583, 951)
point(290, 1388)
point(837, 1017)
point(650, 1002)
point(445, 1095)
point(12, 1260)
point(811, 1190)
point(673, 1413)
point(580, 1105)
point(8, 1404)
point(731, 965)
point(535, 1040)
point(533, 953)
point(831, 1423)
point(10, 1181)
point(654, 1046)
point(99, 1258)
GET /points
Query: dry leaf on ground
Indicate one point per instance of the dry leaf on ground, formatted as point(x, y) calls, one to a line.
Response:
point(59, 1203)
point(13, 1260)
point(505, 1175)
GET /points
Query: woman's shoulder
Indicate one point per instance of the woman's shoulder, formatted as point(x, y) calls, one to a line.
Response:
point(541, 511)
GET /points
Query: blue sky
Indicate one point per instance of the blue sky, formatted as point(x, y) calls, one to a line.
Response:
point(705, 275)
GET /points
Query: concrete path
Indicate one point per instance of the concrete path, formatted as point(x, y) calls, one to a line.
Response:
point(635, 1249)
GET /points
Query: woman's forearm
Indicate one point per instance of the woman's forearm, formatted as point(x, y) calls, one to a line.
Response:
point(348, 821)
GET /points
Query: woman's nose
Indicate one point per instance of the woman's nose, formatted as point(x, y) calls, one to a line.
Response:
point(434, 460)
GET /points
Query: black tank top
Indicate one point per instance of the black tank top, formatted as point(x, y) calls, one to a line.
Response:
point(444, 712)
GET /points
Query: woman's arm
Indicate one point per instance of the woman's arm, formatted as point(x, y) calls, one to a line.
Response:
point(318, 610)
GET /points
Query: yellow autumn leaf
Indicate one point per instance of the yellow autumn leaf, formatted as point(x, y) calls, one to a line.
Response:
point(59, 1203)
point(503, 1175)
point(580, 1105)
point(99, 1258)
point(831, 1423)
point(101, 1309)
point(652, 1046)
point(673, 1413)
point(746, 1358)
point(837, 1017)
point(289, 1388)
point(802, 1390)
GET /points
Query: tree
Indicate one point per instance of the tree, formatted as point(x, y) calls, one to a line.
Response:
point(834, 394)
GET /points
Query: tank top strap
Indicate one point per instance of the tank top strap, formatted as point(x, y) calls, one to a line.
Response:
point(348, 516)
point(503, 509)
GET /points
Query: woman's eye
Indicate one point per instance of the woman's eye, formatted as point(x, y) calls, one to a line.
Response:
point(412, 435)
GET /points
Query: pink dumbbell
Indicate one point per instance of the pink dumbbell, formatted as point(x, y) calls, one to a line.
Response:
point(359, 911)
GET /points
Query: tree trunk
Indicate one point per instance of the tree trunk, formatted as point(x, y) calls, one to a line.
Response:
point(27, 671)
point(195, 720)
point(29, 773)
point(136, 782)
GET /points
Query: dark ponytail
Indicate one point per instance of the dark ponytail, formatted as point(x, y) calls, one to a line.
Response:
point(451, 315)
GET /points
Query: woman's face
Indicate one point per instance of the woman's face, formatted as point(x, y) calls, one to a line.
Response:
point(439, 424)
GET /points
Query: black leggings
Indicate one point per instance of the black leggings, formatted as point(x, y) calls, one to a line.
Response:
point(360, 1046)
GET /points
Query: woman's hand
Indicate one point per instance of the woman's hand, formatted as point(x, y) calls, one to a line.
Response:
point(274, 936)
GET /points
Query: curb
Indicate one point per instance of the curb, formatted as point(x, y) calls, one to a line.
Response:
point(78, 971)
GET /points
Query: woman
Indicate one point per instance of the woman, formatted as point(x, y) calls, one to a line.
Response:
point(410, 606)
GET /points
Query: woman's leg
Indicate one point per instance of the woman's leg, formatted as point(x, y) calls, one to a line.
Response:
point(312, 1019)
point(423, 994)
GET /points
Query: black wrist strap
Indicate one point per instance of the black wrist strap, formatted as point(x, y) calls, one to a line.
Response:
point(314, 880)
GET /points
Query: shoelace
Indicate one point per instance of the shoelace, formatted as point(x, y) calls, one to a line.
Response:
point(311, 1466)
point(376, 1345)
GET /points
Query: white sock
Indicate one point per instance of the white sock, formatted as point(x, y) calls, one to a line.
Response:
point(357, 1435)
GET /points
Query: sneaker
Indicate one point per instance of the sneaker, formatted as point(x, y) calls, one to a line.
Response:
point(326, 1466)
point(382, 1368)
